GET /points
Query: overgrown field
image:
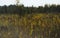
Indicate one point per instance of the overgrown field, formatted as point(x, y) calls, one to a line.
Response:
point(30, 26)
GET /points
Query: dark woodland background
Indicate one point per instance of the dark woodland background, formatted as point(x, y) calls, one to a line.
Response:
point(13, 9)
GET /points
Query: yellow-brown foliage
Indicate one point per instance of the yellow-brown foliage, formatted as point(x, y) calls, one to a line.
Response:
point(30, 26)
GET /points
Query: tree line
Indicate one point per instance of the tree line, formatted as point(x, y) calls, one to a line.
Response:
point(13, 9)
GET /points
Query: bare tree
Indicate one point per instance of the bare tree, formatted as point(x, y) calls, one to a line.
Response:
point(17, 2)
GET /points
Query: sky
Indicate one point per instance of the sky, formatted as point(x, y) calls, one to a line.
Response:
point(35, 3)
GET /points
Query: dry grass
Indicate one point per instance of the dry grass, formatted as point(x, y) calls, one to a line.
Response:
point(30, 26)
